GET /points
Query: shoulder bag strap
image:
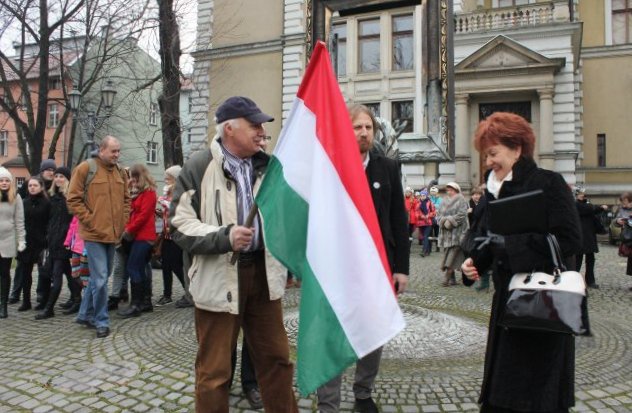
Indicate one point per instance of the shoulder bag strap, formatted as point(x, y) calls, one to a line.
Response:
point(556, 254)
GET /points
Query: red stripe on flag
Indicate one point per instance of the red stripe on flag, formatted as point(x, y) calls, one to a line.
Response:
point(320, 92)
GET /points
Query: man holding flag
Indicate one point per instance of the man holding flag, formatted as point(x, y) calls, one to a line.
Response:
point(212, 219)
point(320, 214)
point(388, 198)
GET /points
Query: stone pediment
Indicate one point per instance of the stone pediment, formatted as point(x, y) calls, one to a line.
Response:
point(502, 53)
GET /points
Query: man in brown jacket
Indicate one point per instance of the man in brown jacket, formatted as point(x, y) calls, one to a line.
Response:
point(100, 200)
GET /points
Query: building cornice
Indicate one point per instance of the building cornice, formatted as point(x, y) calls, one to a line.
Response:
point(244, 49)
point(543, 31)
point(607, 51)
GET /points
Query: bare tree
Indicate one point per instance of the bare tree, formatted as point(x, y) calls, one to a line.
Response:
point(84, 39)
point(30, 126)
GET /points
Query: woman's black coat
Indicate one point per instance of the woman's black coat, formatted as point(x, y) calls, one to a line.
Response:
point(36, 215)
point(587, 217)
point(528, 371)
point(58, 227)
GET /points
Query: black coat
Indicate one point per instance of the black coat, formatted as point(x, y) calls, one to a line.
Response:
point(58, 227)
point(588, 217)
point(388, 198)
point(529, 371)
point(36, 215)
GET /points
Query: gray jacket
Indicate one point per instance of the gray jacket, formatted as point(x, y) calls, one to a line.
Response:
point(12, 230)
point(452, 220)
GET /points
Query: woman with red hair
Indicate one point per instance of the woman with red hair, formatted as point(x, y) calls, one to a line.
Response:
point(525, 370)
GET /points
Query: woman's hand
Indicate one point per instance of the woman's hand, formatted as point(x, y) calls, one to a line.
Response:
point(470, 270)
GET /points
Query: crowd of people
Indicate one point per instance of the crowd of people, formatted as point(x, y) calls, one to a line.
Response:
point(55, 218)
point(100, 220)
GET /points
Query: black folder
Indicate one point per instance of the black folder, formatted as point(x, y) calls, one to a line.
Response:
point(518, 214)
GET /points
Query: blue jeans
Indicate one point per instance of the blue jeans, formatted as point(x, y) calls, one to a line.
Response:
point(427, 230)
point(94, 305)
point(137, 260)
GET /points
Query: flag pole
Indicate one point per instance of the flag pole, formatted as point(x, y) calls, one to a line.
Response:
point(249, 220)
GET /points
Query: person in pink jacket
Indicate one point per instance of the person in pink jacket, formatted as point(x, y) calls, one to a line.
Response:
point(79, 259)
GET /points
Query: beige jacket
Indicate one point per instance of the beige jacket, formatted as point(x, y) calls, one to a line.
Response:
point(203, 209)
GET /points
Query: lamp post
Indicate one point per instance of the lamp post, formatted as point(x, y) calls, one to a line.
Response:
point(90, 121)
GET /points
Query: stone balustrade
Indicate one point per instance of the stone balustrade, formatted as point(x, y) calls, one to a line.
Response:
point(512, 17)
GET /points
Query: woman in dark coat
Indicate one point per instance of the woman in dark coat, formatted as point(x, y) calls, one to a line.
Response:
point(525, 371)
point(588, 218)
point(36, 214)
point(58, 254)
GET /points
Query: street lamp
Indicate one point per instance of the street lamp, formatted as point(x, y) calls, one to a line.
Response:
point(89, 121)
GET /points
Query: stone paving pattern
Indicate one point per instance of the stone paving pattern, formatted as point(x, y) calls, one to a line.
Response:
point(435, 365)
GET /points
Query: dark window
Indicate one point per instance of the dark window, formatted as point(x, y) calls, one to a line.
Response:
point(601, 149)
point(54, 83)
point(375, 108)
point(152, 152)
point(4, 143)
point(403, 115)
point(340, 29)
point(369, 46)
point(403, 42)
point(519, 108)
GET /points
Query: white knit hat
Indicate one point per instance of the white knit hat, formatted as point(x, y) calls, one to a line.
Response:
point(4, 173)
point(173, 171)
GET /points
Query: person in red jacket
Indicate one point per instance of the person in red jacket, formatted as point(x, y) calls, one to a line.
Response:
point(411, 208)
point(139, 236)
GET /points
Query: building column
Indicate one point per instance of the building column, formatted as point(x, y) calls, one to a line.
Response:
point(463, 142)
point(546, 140)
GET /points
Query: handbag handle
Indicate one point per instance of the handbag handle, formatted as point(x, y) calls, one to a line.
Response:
point(556, 254)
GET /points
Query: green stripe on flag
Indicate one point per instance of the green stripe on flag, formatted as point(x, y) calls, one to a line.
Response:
point(323, 348)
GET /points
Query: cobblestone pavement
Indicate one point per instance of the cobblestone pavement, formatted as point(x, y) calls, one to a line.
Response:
point(435, 365)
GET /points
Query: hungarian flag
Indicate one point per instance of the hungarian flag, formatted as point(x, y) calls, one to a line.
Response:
point(319, 221)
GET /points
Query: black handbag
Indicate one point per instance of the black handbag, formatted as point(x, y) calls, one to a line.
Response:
point(546, 302)
point(626, 234)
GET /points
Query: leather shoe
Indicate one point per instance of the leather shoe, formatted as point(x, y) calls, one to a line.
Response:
point(365, 406)
point(254, 398)
point(13, 300)
point(103, 332)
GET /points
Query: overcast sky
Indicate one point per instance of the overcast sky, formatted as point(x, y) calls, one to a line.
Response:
point(187, 12)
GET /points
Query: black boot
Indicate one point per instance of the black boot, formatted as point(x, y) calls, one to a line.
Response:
point(123, 295)
point(5, 283)
point(113, 303)
point(66, 305)
point(26, 291)
point(26, 304)
point(134, 307)
point(48, 310)
point(74, 308)
point(42, 299)
point(146, 305)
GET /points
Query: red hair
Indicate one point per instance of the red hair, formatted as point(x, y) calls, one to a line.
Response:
point(507, 129)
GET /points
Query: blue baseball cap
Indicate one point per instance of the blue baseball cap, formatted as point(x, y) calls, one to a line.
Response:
point(241, 107)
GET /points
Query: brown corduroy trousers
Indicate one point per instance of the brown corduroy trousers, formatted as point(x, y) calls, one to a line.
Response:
point(262, 323)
